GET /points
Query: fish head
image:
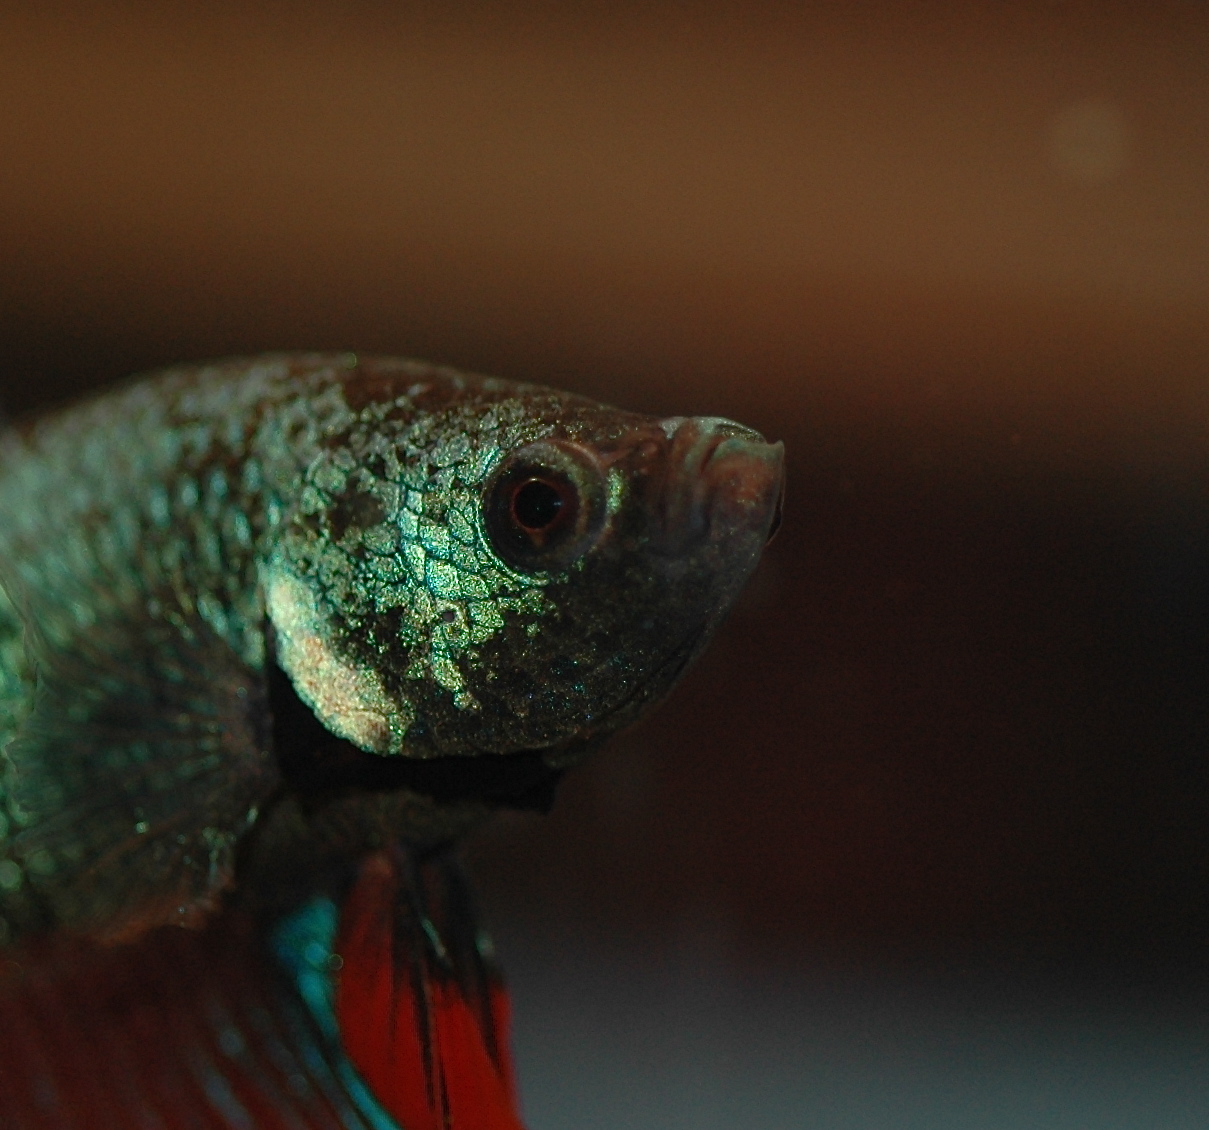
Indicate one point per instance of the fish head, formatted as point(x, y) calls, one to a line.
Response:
point(536, 569)
point(643, 539)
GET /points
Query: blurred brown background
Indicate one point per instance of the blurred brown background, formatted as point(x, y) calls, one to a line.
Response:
point(955, 254)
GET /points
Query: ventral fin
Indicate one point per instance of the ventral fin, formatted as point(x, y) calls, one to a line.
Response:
point(145, 756)
point(420, 1005)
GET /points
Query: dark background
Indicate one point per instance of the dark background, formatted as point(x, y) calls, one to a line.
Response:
point(938, 794)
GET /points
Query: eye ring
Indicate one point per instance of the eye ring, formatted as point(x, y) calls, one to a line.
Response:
point(544, 505)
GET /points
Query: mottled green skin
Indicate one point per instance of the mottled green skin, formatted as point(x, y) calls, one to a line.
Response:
point(160, 545)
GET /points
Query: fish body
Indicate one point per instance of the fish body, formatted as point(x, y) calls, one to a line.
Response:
point(274, 632)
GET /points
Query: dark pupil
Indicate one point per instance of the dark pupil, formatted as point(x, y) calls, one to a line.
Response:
point(536, 504)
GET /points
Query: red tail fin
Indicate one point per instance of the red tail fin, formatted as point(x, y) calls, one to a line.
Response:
point(422, 1012)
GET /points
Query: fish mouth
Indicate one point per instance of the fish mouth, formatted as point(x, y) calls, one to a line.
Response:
point(722, 480)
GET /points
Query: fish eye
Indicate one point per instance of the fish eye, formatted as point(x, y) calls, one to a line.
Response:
point(545, 506)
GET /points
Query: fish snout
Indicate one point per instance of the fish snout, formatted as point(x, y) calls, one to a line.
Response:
point(727, 481)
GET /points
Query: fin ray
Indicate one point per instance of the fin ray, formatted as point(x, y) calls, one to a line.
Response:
point(146, 754)
point(418, 998)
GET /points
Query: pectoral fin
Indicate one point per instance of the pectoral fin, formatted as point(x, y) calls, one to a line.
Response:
point(145, 757)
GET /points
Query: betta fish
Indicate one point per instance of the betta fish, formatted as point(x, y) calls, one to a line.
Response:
point(274, 635)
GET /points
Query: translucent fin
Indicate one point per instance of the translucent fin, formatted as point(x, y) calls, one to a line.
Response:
point(144, 758)
point(181, 1030)
point(420, 1006)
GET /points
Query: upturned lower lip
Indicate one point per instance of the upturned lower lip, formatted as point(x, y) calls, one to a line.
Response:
point(746, 478)
point(728, 480)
